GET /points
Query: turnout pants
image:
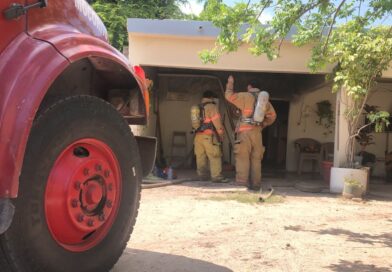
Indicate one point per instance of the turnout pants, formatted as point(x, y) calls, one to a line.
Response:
point(205, 152)
point(248, 156)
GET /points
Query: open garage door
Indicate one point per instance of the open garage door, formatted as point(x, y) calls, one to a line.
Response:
point(176, 90)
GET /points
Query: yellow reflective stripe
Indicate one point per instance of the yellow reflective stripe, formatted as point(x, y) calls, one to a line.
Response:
point(208, 120)
point(216, 116)
point(245, 128)
point(271, 114)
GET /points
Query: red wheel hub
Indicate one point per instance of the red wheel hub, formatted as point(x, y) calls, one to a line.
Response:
point(92, 193)
point(82, 194)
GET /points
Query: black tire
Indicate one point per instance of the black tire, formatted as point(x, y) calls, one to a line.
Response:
point(28, 244)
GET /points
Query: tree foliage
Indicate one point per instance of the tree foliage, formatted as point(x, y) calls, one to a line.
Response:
point(114, 14)
point(211, 9)
point(346, 34)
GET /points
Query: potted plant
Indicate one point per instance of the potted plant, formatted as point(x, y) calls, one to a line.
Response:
point(359, 163)
point(365, 138)
point(352, 188)
point(325, 116)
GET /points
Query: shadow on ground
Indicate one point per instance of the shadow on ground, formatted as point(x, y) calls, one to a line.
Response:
point(357, 266)
point(134, 260)
point(363, 238)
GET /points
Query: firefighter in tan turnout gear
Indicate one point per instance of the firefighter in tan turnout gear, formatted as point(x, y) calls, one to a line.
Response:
point(249, 149)
point(206, 121)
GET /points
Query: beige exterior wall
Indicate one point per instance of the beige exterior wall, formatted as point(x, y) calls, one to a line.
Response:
point(182, 52)
point(302, 123)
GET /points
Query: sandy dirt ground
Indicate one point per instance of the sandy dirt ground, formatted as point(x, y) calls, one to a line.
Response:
point(184, 228)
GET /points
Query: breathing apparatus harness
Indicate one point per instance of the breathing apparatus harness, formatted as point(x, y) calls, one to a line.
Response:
point(250, 120)
point(204, 126)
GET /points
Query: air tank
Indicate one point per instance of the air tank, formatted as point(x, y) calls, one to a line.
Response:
point(261, 107)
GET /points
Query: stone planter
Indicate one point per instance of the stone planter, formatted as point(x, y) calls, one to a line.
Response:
point(339, 175)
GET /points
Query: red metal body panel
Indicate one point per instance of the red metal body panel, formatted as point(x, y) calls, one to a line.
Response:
point(10, 29)
point(76, 46)
point(27, 69)
point(76, 15)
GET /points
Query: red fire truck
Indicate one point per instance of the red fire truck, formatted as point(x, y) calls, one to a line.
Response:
point(70, 167)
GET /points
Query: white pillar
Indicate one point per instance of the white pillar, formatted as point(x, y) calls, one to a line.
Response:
point(341, 130)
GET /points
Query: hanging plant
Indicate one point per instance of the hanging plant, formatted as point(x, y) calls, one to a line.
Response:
point(325, 116)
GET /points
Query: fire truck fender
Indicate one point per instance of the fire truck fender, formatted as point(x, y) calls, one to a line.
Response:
point(28, 68)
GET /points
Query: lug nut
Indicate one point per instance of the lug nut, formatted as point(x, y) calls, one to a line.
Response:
point(98, 167)
point(109, 203)
point(90, 223)
point(80, 218)
point(101, 217)
point(74, 203)
point(86, 171)
point(107, 173)
point(77, 185)
point(110, 186)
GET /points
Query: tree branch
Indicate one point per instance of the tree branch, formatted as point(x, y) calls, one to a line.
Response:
point(332, 24)
point(299, 15)
point(359, 130)
point(247, 6)
point(262, 10)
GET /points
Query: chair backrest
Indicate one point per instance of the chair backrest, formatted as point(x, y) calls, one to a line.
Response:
point(327, 150)
point(307, 145)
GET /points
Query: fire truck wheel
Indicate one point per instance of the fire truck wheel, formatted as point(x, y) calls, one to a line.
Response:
point(79, 190)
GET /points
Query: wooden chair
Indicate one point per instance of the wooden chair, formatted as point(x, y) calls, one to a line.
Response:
point(308, 149)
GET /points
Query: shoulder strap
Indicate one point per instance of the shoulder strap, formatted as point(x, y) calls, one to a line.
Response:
point(255, 95)
point(202, 109)
point(206, 103)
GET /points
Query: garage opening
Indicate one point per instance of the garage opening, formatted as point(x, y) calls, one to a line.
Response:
point(176, 90)
point(275, 137)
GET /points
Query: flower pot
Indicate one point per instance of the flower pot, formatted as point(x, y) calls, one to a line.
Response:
point(358, 160)
point(339, 175)
point(352, 191)
point(326, 169)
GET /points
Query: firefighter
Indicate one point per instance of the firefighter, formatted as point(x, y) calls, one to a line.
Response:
point(208, 140)
point(249, 149)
